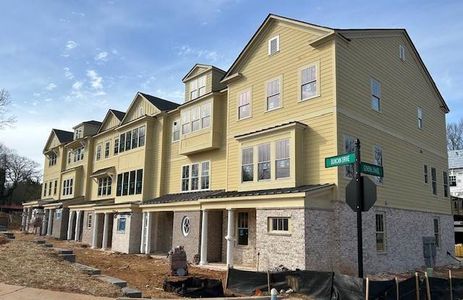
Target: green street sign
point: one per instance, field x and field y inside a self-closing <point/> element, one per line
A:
<point x="371" y="169"/>
<point x="340" y="160"/>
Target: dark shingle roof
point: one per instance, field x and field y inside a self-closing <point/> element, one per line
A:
<point x="180" y="197"/>
<point x="270" y="128"/>
<point x="456" y="159"/>
<point x="119" y="114"/>
<point x="92" y="122"/>
<point x="64" y="136"/>
<point x="162" y="104"/>
<point x="300" y="189"/>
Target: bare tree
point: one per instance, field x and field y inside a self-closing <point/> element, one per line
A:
<point x="455" y="135"/>
<point x="5" y="118"/>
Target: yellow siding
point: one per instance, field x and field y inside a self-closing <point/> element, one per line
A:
<point x="134" y="111"/>
<point x="406" y="148"/>
<point x="319" y="139"/>
<point x="110" y="123"/>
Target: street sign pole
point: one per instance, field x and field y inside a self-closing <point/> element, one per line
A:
<point x="359" y="183"/>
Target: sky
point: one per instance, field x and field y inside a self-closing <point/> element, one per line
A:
<point x="64" y="62"/>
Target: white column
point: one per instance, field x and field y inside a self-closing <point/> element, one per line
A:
<point x="77" y="230"/>
<point x="105" y="231"/>
<point x="71" y="216"/>
<point x="203" y="260"/>
<point x="229" y="238"/>
<point x="50" y="221"/>
<point x="143" y="233"/>
<point x="23" y="220"/>
<point x="148" y="233"/>
<point x="95" y="231"/>
<point x="28" y="217"/>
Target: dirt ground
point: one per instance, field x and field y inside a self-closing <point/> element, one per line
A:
<point x="27" y="264"/>
<point x="140" y="271"/>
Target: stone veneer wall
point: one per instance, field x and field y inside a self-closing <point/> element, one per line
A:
<point x="318" y="239"/>
<point x="405" y="230"/>
<point x="161" y="232"/>
<point x="281" y="249"/>
<point x="214" y="236"/>
<point x="87" y="232"/>
<point x="128" y="241"/>
<point x="60" y="226"/>
<point x="191" y="242"/>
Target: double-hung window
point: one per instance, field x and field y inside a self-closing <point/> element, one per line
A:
<point x="402" y="52"/>
<point x="243" y="228"/>
<point x="436" y="231"/>
<point x="141" y="136"/>
<point x="50" y="188"/>
<point x="446" y="183"/>
<point x="52" y="159"/>
<point x="104" y="186"/>
<point x="98" y="152"/>
<point x="244" y="105"/>
<point x="434" y="181"/>
<point x="282" y="159"/>
<point x="122" y="143"/>
<point x="273" y="94"/>
<point x="205" y="115"/>
<point x="247" y="164"/>
<point x="198" y="87"/>
<point x="420" y="117"/>
<point x="274" y="45"/>
<point x="375" y="86"/>
<point x="194" y="177"/>
<point x="205" y="175"/>
<point x="309" y="88"/>
<point x="135" y="138"/>
<point x="176" y="130"/>
<point x="380" y="232"/>
<point x="195" y="119"/>
<point x="186" y="126"/>
<point x="116" y="146"/>
<point x="128" y="140"/>
<point x="106" y="149"/>
<point x="139" y="182"/>
<point x="263" y="165"/>
<point x="130" y="183"/>
<point x="185" y="178"/>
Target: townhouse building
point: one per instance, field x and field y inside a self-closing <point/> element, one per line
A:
<point x="236" y="173"/>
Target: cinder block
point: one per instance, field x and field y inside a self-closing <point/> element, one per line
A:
<point x="131" y="292"/>
<point x="112" y="280"/>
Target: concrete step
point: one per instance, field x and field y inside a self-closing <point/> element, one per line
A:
<point x="68" y="257"/>
<point x="64" y="251"/>
<point x="131" y="292"/>
<point x="88" y="270"/>
<point x="115" y="281"/>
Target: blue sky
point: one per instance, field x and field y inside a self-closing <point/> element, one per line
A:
<point x="64" y="62"/>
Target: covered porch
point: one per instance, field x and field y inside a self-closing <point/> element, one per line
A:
<point x="32" y="216"/>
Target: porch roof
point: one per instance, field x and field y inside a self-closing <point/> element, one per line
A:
<point x="180" y="197"/>
<point x="278" y="191"/>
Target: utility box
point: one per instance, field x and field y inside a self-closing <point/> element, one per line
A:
<point x="178" y="261"/>
<point x="429" y="251"/>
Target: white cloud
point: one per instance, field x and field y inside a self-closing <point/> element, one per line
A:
<point x="71" y="45"/>
<point x="80" y="14"/>
<point x="67" y="73"/>
<point x="51" y="86"/>
<point x="210" y="56"/>
<point x="102" y="56"/>
<point x="96" y="80"/>
<point x="77" y="85"/>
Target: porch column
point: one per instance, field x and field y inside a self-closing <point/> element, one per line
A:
<point x="203" y="260"/>
<point x="71" y="216"/>
<point x="143" y="233"/>
<point x="77" y="230"/>
<point x="43" y="230"/>
<point x="148" y="233"/>
<point x="105" y="231"/>
<point x="50" y="221"/>
<point x="229" y="237"/>
<point x="23" y="220"/>
<point x="28" y="218"/>
<point x="95" y="231"/>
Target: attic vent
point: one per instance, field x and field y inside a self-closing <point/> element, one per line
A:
<point x="274" y="45"/>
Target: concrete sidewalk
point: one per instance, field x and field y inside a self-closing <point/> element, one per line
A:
<point x="15" y="292"/>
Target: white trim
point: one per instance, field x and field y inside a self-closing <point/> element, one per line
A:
<point x="315" y="64"/>
<point x="280" y="89"/>
<point x="269" y="43"/>
<point x="200" y="169"/>
<point x="238" y="104"/>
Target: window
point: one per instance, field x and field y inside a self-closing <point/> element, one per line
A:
<point x="196" y="118"/>
<point x="78" y="133"/>
<point x="378" y="160"/>
<point x="67" y="187"/>
<point x="453" y="180"/>
<point x="402" y="52"/>
<point x="78" y="154"/>
<point x="49" y="188"/>
<point x="243" y="229"/>
<point x="185" y="178"/>
<point x="380" y="233"/>
<point x="132" y="183"/>
<point x="186" y="226"/>
<point x="128" y="140"/>
<point x="205" y="175"/>
<point x="273" y="94"/>
<point x="434" y="181"/>
<point x="278" y="225"/>
<point x="52" y="159"/>
<point x="55" y="187"/>
<point x="263" y="165"/>
<point x="125" y="184"/>
<point x="205" y="115"/>
<point x="375" y="95"/>
<point x="309" y="82"/>
<point x="176" y="130"/>
<point x="119" y="185"/>
<point x="247" y="165"/>
<point x="420" y="117"/>
<point x="186" y="125"/>
<point x="98" y="152"/>
<point x="44" y="189"/>
<point x="106" y="149"/>
<point x="425" y="174"/>
<point x="122" y="143"/>
<point x="141" y="136"/>
<point x="135" y="138"/>
<point x="69" y="156"/>
<point x="282" y="159"/>
<point x="131" y="139"/>
<point x="349" y="146"/>
<point x="274" y="45"/>
<point x="436" y="231"/>
<point x="121" y="222"/>
<point x="104" y="186"/>
<point x="194" y="177"/>
<point x="139" y="182"/>
<point x="116" y="146"/>
<point x="59" y="214"/>
<point x="446" y="184"/>
<point x="89" y="220"/>
<point x="129" y="183"/>
<point x="198" y="87"/>
<point x="244" y="105"/>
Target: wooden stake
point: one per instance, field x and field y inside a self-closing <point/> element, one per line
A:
<point x="268" y="280"/>
<point x="397" y="288"/>
<point x="367" y="282"/>
<point x="226" y="278"/>
<point x="417" y="285"/>
<point x="450" y="282"/>
<point x="428" y="289"/>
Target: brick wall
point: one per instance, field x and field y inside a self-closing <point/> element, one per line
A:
<point x="191" y="242"/>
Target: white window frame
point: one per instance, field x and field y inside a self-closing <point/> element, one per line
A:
<point x="249" y="104"/>
<point x="277" y="38"/>
<point x="317" y="81"/>
<point x="200" y="176"/>
<point x="198" y="87"/>
<point x="383" y="232"/>
<point x="198" y="113"/>
<point x="107" y="149"/>
<point x="280" y="93"/>
<point x="437" y="234"/>
<point x="98" y="152"/>
<point x="280" y="225"/>
<point x="282" y="158"/>
<point x="402" y="52"/>
<point x="419" y="115"/>
<point x="89" y="220"/>
<point x="118" y="224"/>
<point x="373" y="96"/>
<point x="247" y="164"/>
<point x="176" y="128"/>
<point x="269" y="161"/>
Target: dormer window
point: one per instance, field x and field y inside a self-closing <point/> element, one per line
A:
<point x="198" y="87"/>
<point x="78" y="133"/>
<point x="52" y="159"/>
<point x="274" y="45"/>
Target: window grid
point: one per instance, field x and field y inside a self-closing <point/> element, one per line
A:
<point x="247" y="164"/>
<point x="106" y="149"/>
<point x="279" y="224"/>
<point x="273" y="94"/>
<point x="244" y="105"/>
<point x="104" y="186"/>
<point x="263" y="162"/>
<point x="130" y="183"/>
<point x="282" y="159"/>
<point x="196" y="176"/>
<point x="309" y="82"/>
<point x="380" y="233"/>
<point x="243" y="228"/>
<point x="434" y="181"/>
<point x="196" y="118"/>
<point x="132" y="139"/>
<point x="274" y="45"/>
<point x="420" y="117"/>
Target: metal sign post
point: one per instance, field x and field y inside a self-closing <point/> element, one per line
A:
<point x="359" y="184"/>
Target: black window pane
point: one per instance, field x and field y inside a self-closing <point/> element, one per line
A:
<point x="125" y="186"/>
<point x="139" y="181"/>
<point x="119" y="185"/>
<point x="132" y="183"/>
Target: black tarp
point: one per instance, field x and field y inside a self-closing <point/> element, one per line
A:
<point x="457" y="288"/>
<point x="381" y="290"/>
<point x="317" y="285"/>
<point x="246" y="282"/>
<point x="440" y="288"/>
<point x="347" y="288"/>
<point x="194" y="287"/>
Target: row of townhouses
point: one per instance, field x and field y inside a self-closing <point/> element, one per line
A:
<point x="236" y="173"/>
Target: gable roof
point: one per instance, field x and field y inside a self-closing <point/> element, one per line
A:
<point x="196" y="66"/>
<point x="118" y="114"/>
<point x="63" y="136"/>
<point x="161" y="104"/>
<point x="90" y="122"/>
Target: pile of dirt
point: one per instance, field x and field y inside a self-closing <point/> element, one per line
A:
<point x="3" y="240"/>
<point x="27" y="264"/>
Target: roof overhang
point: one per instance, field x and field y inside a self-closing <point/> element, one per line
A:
<point x="287" y="126"/>
<point x="82" y="142"/>
<point x="111" y="171"/>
